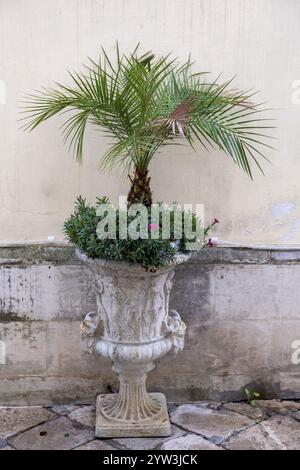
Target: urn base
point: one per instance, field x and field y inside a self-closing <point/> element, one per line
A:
<point x="155" y="426"/>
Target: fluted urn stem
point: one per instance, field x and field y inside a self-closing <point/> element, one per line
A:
<point x="132" y="403"/>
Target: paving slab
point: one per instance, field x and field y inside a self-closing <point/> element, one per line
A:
<point x="145" y="443"/>
<point x="214" y="405"/>
<point x="85" y="415"/>
<point x="64" y="410"/>
<point x="279" y="407"/>
<point x="215" y="425"/>
<point x="254" y="438"/>
<point x="96" y="444"/>
<point x="276" y="433"/>
<point x="189" y="442"/>
<point x="3" y="442"/>
<point x="57" y="434"/>
<point x="270" y="425"/>
<point x="253" y="412"/>
<point x="296" y="415"/>
<point x="285" y="430"/>
<point x="16" y="419"/>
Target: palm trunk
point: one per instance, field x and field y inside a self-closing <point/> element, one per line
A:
<point x="140" y="191"/>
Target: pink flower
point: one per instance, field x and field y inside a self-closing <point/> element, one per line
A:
<point x="212" y="225"/>
<point x="210" y="243"/>
<point x="153" y="226"/>
<point x="214" y="222"/>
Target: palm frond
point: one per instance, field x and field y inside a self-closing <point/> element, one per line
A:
<point x="143" y="103"/>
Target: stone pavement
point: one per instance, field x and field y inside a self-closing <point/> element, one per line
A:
<point x="270" y="425"/>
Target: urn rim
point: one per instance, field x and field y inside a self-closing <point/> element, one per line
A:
<point x="134" y="268"/>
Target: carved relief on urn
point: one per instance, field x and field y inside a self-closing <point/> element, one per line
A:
<point x="133" y="327"/>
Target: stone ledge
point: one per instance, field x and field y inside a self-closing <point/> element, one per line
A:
<point x="23" y="254"/>
<point x="26" y="254"/>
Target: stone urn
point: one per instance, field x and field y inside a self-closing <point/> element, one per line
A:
<point x="133" y="327"/>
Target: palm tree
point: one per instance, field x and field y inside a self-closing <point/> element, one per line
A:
<point x="144" y="103"/>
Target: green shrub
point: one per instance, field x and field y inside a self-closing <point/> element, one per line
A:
<point x="80" y="229"/>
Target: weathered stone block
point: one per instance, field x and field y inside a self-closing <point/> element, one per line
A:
<point x="290" y="384"/>
<point x="64" y="354"/>
<point x="238" y="347"/>
<point x="277" y="433"/>
<point x="64" y="410"/>
<point x="96" y="445"/>
<point x="216" y="425"/>
<point x="284" y="334"/>
<point x="253" y="412"/>
<point x="56" y="434"/>
<point x="296" y="415"/>
<point x="278" y="407"/>
<point x="85" y="416"/>
<point x="190" y="279"/>
<point x="232" y="386"/>
<point x="44" y="292"/>
<point x="136" y="443"/>
<point x="189" y="442"/>
<point x="257" y="292"/>
<point x="48" y="390"/>
<point x="179" y="387"/>
<point x="254" y="438"/>
<point x="14" y="420"/>
<point x="25" y="349"/>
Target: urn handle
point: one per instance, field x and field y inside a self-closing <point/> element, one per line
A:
<point x="90" y="330"/>
<point x="174" y="329"/>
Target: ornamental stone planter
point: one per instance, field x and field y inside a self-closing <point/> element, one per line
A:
<point x="133" y="327"/>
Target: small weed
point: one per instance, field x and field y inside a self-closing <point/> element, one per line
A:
<point x="251" y="396"/>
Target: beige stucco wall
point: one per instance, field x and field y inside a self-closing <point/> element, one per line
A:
<point x="257" y="39"/>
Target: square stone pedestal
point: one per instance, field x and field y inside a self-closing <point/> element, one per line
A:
<point x="158" y="426"/>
